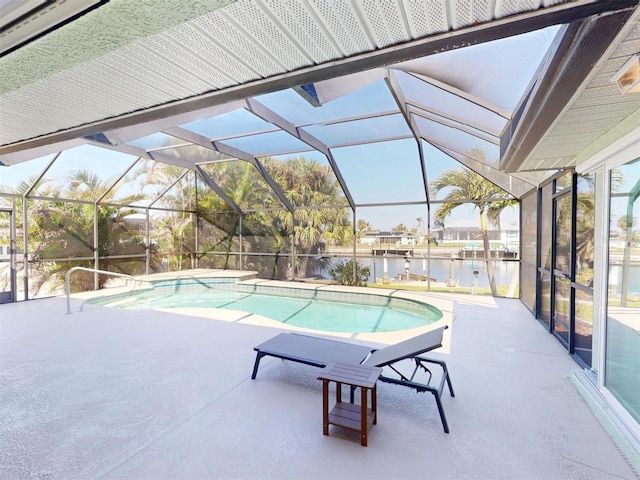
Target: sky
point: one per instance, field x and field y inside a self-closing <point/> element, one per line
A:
<point x="630" y="174"/>
<point x="374" y="173"/>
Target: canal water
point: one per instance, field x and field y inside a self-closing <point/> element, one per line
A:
<point x="441" y="269"/>
<point x="462" y="270"/>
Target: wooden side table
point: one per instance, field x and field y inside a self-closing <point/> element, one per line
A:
<point x="350" y="415"/>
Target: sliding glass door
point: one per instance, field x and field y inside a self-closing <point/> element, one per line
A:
<point x="565" y="263"/>
<point x="622" y="357"/>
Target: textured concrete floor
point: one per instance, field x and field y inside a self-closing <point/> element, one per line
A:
<point x="134" y="395"/>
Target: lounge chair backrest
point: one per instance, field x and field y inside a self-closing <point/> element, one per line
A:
<point x="407" y="348"/>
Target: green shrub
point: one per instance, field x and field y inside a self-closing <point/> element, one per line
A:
<point x="342" y="274"/>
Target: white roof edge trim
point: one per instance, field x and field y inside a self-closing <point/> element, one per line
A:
<point x="37" y="152"/>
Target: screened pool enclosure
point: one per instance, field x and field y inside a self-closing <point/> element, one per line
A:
<point x="291" y="182"/>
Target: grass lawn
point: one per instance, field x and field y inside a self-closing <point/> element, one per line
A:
<point x="502" y="289"/>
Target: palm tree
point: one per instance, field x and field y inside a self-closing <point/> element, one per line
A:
<point x="363" y="227"/>
<point x="65" y="229"/>
<point x="244" y="185"/>
<point x="466" y="186"/>
<point x="174" y="223"/>
<point x="311" y="185"/>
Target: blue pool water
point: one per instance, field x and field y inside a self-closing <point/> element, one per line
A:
<point x="370" y="313"/>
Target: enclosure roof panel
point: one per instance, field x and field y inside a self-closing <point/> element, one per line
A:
<point x="265" y="77"/>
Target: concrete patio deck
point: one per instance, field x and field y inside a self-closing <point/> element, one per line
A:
<point x="111" y="394"/>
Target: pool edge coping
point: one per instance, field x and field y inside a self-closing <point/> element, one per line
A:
<point x="445" y="305"/>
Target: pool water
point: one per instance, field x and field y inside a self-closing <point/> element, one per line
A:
<point x="333" y="316"/>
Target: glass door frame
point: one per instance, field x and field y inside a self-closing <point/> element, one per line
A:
<point x="551" y="272"/>
<point x="556" y="274"/>
<point x="10" y="295"/>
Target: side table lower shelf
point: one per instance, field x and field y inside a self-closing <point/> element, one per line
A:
<point x="348" y="415"/>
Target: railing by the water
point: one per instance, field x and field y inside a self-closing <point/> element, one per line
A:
<point x="92" y="270"/>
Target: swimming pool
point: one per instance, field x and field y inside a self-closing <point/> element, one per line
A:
<point x="316" y="309"/>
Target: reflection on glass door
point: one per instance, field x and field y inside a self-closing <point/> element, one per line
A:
<point x="562" y="250"/>
<point x="7" y="257"/>
<point x="546" y="228"/>
<point x="584" y="258"/>
<point x="622" y="358"/>
<point x="545" y="298"/>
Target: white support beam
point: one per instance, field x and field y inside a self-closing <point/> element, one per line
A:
<point x="464" y="95"/>
<point x="447" y="123"/>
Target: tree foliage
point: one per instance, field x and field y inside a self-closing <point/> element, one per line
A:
<point x="466" y="186"/>
<point x="61" y="231"/>
<point x="342" y="274"/>
<point x="267" y="225"/>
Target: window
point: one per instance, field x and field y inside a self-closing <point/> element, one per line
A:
<point x="622" y="358"/>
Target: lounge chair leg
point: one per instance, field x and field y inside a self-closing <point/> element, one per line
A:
<point x="443" y="418"/>
<point x="256" y="365"/>
<point x="446" y="374"/>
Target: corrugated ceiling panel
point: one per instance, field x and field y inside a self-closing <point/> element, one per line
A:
<point x="304" y="27"/>
<point x="85" y="105"/>
<point x="607" y="91"/>
<point x="374" y="17"/>
<point x="125" y="67"/>
<point x="202" y="45"/>
<point x="96" y="77"/>
<point x="105" y="68"/>
<point x="601" y="80"/>
<point x="17" y="105"/>
<point x="612" y="100"/>
<point x="37" y="116"/>
<point x="612" y="65"/>
<point x="577" y="118"/>
<point x="264" y="31"/>
<point x="535" y="178"/>
<point x="504" y="8"/>
<point x="341" y="20"/>
<point x="567" y="144"/>
<point x="553" y="163"/>
<point x="394" y="20"/>
<point x="47" y="102"/>
<point x="426" y="17"/>
<point x="558" y="147"/>
<point x="635" y="31"/>
<point x="608" y="111"/>
<point x="592" y="125"/>
<point x="144" y="62"/>
<point x="164" y="46"/>
<point x="234" y="41"/>
<point x="249" y="40"/>
<point x="626" y="48"/>
<point x="12" y="121"/>
<point x="468" y="12"/>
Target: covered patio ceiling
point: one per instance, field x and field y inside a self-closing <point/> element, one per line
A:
<point x="504" y="86"/>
